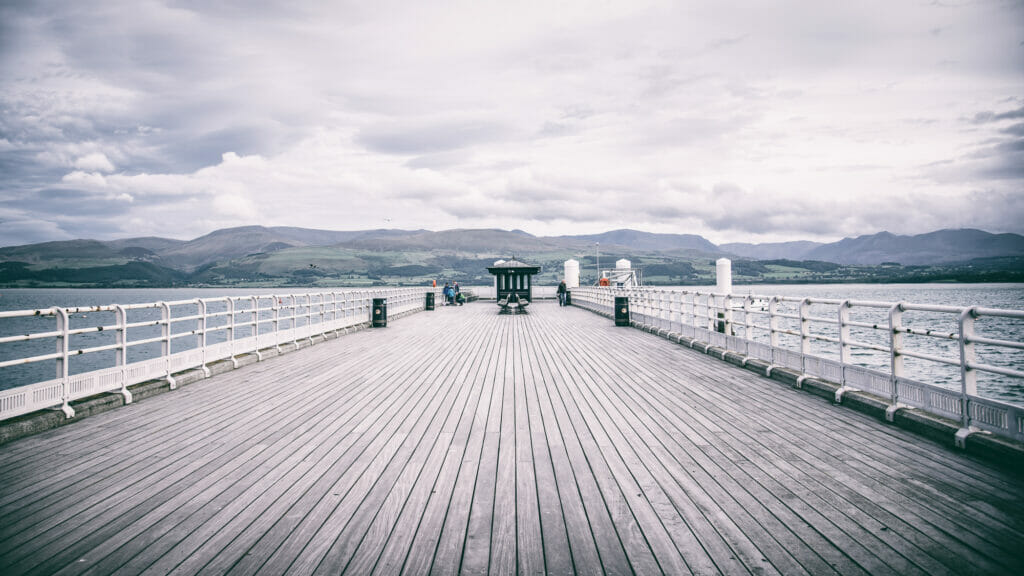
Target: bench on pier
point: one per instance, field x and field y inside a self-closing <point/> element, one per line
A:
<point x="511" y="300"/>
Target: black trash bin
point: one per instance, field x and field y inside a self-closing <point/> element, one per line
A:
<point x="430" y="300"/>
<point x="380" y="312"/>
<point x="568" y="298"/>
<point x="622" y="311"/>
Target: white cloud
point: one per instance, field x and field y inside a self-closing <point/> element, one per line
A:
<point x="95" y="162"/>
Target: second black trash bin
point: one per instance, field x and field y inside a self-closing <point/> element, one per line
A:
<point x="622" y="311"/>
<point x="380" y="312"/>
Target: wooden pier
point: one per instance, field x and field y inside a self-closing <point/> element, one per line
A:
<point x="461" y="441"/>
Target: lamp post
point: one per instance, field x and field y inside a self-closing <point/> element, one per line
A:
<point x="597" y="247"/>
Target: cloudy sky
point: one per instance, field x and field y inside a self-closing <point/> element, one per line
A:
<point x="739" y="121"/>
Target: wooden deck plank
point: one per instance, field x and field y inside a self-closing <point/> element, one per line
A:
<point x="839" y="485"/>
<point x="598" y="452"/>
<point x="740" y="545"/>
<point x="554" y="537"/>
<point x="329" y="428"/>
<point x="237" y="533"/>
<point x="96" y="468"/>
<point x="577" y="483"/>
<point x="359" y="470"/>
<point x="448" y="552"/>
<point x="424" y="511"/>
<point x="190" y="528"/>
<point x="502" y="555"/>
<point x="369" y="527"/>
<point x="553" y="442"/>
<point x="717" y="454"/>
<point x="473" y="537"/>
<point x="529" y="539"/>
<point x="826" y="489"/>
<point x="777" y="468"/>
<point x="726" y="460"/>
<point x="586" y="557"/>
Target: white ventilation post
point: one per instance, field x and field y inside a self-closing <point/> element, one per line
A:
<point x="572" y="274"/>
<point x="723" y="276"/>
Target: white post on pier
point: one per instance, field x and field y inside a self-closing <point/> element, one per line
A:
<point x="723" y="276"/>
<point x="572" y="273"/>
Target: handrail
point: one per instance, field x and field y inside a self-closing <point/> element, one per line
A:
<point x="799" y="333"/>
<point x="189" y="334"/>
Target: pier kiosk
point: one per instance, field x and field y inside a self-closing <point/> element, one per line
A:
<point x="513" y="284"/>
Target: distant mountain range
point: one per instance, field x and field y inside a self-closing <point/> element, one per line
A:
<point x="943" y="246"/>
<point x="301" y="253"/>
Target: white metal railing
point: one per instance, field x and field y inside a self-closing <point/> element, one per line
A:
<point x="861" y="345"/>
<point x="134" y="343"/>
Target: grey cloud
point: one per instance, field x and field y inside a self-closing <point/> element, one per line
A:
<point x="439" y="160"/>
<point x="78" y="204"/>
<point x="1014" y="130"/>
<point x="17" y="231"/>
<point x="556" y="130"/>
<point x="988" y="116"/>
<point x="430" y="136"/>
<point x="691" y="130"/>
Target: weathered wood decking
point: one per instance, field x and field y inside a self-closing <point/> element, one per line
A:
<point x="462" y="441"/>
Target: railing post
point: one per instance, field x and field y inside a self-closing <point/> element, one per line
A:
<point x="968" y="378"/>
<point x="727" y="314"/>
<point x="165" y="344"/>
<point x="122" y="350"/>
<point x="895" y="359"/>
<point x="309" y="318"/>
<point x="844" y="335"/>
<point x="712" y="311"/>
<point x="201" y="329"/>
<point x="666" y="309"/>
<point x="805" y="326"/>
<point x="231" y="330"/>
<point x="334" y="312"/>
<point x="748" y="328"/>
<point x="275" y="305"/>
<point x="63" y="327"/>
<point x="256" y="326"/>
<point x="844" y="348"/>
<point x="293" y="314"/>
<point x="323" y="313"/>
<point x="675" y="307"/>
<point x="773" y="321"/>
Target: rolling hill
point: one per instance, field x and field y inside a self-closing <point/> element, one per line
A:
<point x="772" y="250"/>
<point x="298" y="256"/>
<point x="939" y="247"/>
<point x="645" y="241"/>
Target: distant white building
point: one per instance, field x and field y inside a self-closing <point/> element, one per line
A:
<point x="623" y="275"/>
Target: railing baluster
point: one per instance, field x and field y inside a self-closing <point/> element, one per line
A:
<point x="968" y="377"/>
<point x="895" y="358"/>
<point x="121" y="316"/>
<point x="165" y="342"/>
<point x="63" y="328"/>
<point x="256" y="326"/>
